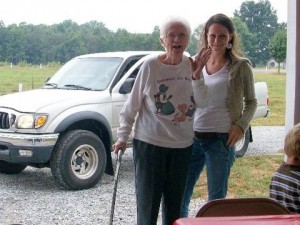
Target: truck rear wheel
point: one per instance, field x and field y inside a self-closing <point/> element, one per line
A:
<point x="79" y="160"/>
<point x="242" y="145"/>
<point x="11" y="168"/>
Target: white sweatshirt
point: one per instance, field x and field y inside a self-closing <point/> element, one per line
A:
<point x="161" y="105"/>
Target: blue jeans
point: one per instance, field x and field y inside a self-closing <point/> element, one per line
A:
<point x="218" y="159"/>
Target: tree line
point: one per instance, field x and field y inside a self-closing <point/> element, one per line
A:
<point x="261" y="38"/>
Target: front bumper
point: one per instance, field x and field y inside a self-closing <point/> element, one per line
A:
<point x="26" y="148"/>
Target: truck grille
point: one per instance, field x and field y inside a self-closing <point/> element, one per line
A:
<point x="4" y="120"/>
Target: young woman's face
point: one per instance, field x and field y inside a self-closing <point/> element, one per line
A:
<point x="176" y="39"/>
<point x="218" y="37"/>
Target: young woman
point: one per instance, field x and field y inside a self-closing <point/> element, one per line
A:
<point x="231" y="105"/>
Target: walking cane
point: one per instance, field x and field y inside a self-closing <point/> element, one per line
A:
<point x="119" y="159"/>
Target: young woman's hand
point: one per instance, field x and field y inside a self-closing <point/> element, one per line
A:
<point x="199" y="61"/>
<point x="235" y="134"/>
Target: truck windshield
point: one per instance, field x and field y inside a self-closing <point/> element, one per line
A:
<point x="93" y="73"/>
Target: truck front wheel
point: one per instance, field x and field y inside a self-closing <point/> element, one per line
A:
<point x="79" y="160"/>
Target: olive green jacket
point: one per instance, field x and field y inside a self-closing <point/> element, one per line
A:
<point x="242" y="102"/>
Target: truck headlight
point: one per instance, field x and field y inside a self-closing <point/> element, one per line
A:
<point x="29" y="121"/>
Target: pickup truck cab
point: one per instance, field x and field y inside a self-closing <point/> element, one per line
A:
<point x="70" y="124"/>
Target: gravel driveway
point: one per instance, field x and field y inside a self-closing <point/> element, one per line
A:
<point x="32" y="197"/>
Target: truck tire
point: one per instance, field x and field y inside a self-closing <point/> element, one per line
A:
<point x="11" y="168"/>
<point x="242" y="145"/>
<point x="79" y="160"/>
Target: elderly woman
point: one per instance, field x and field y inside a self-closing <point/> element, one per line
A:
<point x="161" y="106"/>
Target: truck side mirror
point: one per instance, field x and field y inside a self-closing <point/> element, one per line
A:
<point x="127" y="86"/>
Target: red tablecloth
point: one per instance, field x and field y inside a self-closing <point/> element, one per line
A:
<point x="293" y="219"/>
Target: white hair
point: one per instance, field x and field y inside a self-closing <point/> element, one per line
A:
<point x="171" y="20"/>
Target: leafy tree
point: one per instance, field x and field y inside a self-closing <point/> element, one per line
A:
<point x="152" y="41"/>
<point x="3" y="37"/>
<point x="282" y="26"/>
<point x="37" y="44"/>
<point x="194" y="45"/>
<point x="122" y="40"/>
<point x="71" y="47"/>
<point x="16" y="43"/>
<point x="96" y="37"/>
<point x="261" y="20"/>
<point x="246" y="39"/>
<point x="255" y="23"/>
<point x="278" y="47"/>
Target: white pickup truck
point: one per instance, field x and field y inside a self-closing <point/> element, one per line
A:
<point x="70" y="124"/>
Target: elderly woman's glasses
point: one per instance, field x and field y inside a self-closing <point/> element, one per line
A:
<point x="173" y="36"/>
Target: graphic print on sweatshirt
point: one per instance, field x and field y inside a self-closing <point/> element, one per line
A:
<point x="164" y="105"/>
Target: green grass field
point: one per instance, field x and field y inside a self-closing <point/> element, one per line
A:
<point x="276" y="90"/>
<point x="29" y="77"/>
<point x="250" y="177"/>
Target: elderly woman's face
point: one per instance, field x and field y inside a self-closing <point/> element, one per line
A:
<point x="176" y="39"/>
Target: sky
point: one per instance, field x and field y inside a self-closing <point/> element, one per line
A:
<point x="136" y="16"/>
